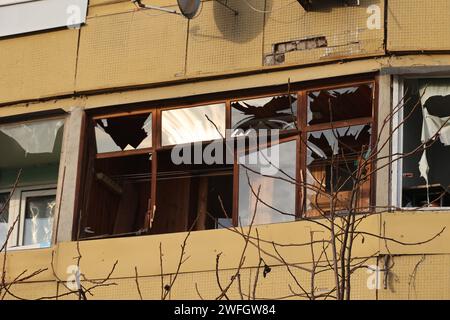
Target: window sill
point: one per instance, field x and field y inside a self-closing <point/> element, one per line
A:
<point x="30" y="247"/>
<point x="419" y="209"/>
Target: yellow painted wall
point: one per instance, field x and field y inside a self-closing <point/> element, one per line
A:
<point x="98" y="257"/>
<point x="416" y="25"/>
<point x="207" y="85"/>
<point x="417" y="277"/>
<point x="130" y="49"/>
<point x="38" y="66"/>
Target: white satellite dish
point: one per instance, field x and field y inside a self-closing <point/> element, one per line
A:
<point x="189" y="8"/>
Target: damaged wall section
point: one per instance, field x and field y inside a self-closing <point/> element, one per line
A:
<point x="280" y="49"/>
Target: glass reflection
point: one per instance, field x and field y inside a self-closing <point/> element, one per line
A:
<point x="277" y="197"/>
<point x="279" y="112"/>
<point x="124" y="133"/>
<point x="191" y="124"/>
<point x="333" y="158"/>
<point x="344" y="103"/>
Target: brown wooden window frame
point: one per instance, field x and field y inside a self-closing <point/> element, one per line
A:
<point x="306" y="128"/>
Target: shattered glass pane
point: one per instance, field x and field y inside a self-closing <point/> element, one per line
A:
<point x="34" y="147"/>
<point x="425" y="176"/>
<point x="278" y="112"/>
<point x="4" y="215"/>
<point x="124" y="133"/>
<point x="39" y="213"/>
<point x="277" y="197"/>
<point x="193" y="124"/>
<point x="333" y="158"/>
<point x="344" y="103"/>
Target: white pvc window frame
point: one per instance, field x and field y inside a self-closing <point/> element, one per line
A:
<point x="398" y="92"/>
<point x="25" y="16"/>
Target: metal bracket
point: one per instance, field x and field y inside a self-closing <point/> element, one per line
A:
<point x="140" y="5"/>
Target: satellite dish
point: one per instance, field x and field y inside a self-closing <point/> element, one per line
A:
<point x="189" y="8"/>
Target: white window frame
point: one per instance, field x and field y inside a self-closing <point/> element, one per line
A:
<point x="17" y="206"/>
<point x="397" y="144"/>
<point x="26" y="16"/>
<point x="23" y="204"/>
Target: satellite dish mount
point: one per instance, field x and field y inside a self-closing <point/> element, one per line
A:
<point x="188" y="8"/>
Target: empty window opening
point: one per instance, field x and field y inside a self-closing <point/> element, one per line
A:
<point x="192" y="196"/>
<point x="118" y="196"/>
<point x="185" y="177"/>
<point x="278" y="112"/>
<point x="118" y="190"/>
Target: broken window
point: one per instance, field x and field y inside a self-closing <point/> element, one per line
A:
<point x="340" y="104"/>
<point x="118" y="195"/>
<point x="273" y="170"/>
<point x="186" y="125"/>
<point x="32" y="148"/>
<point x="177" y="169"/>
<point x="277" y="112"/>
<point x="337" y="169"/>
<point x="126" y="193"/>
<point x="339" y="128"/>
<point x="426" y="140"/>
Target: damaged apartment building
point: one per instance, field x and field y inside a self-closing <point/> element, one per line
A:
<point x="98" y="97"/>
